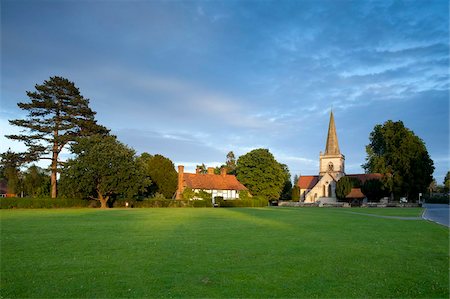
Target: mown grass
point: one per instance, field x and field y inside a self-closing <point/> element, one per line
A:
<point x="239" y="252"/>
<point x="400" y="212"/>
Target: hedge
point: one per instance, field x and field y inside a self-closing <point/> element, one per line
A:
<point x="44" y="203"/>
<point x="49" y="203"/>
<point x="251" y="202"/>
<point x="436" y="198"/>
<point x="161" y="203"/>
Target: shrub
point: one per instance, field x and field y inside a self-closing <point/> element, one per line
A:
<point x="436" y="198"/>
<point x="252" y="202"/>
<point x="44" y="203"/>
<point x="151" y="203"/>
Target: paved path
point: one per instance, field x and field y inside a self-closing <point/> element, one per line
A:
<point x="437" y="213"/>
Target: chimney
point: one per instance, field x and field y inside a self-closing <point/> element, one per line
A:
<point x="180" y="181"/>
<point x="210" y="170"/>
<point x="223" y="171"/>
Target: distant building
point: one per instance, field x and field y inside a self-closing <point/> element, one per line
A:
<point x="4" y="190"/>
<point x="218" y="185"/>
<point x="322" y="187"/>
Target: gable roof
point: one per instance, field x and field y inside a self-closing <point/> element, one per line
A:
<point x="212" y="181"/>
<point x="355" y="193"/>
<point x="307" y="181"/>
<point x="366" y="176"/>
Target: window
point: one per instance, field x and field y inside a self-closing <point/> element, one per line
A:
<point x="330" y="166"/>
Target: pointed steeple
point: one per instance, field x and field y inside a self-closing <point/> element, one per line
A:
<point x="332" y="147"/>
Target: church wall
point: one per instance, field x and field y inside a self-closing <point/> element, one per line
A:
<point x="322" y="189"/>
<point x="337" y="161"/>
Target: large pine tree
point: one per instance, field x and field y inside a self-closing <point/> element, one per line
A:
<point x="57" y="115"/>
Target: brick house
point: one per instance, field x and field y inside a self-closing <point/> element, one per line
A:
<point x="223" y="184"/>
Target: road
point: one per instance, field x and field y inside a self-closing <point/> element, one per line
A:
<point x="438" y="213"/>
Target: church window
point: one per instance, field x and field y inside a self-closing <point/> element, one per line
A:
<point x="330" y="166"/>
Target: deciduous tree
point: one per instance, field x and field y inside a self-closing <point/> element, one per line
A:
<point x="261" y="173"/>
<point x="162" y="174"/>
<point x="57" y="115"/>
<point x="447" y="182"/>
<point x="102" y="168"/>
<point x="36" y="182"/>
<point x="374" y="190"/>
<point x="10" y="171"/>
<point x="402" y="156"/>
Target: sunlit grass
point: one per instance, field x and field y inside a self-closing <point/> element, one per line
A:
<point x="400" y="212"/>
<point x="266" y="252"/>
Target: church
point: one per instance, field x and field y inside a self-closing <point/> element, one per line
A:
<point x="322" y="188"/>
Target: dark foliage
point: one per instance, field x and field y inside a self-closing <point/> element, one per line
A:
<point x="402" y="156"/>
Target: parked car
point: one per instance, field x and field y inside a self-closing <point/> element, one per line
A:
<point x="403" y="199"/>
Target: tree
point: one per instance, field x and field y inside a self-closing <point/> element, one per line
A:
<point x="295" y="193"/>
<point x="57" y="115"/>
<point x="373" y="190"/>
<point x="261" y="173"/>
<point x="447" y="182"/>
<point x="433" y="187"/>
<point x="161" y="171"/>
<point x="343" y="187"/>
<point x="36" y="182"/>
<point x="231" y="163"/>
<point x="402" y="156"/>
<point x="295" y="180"/>
<point x="202" y="168"/>
<point x="102" y="168"/>
<point x="10" y="171"/>
<point x="286" y="192"/>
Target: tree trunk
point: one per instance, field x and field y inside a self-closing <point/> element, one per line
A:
<point x="103" y="200"/>
<point x="54" y="167"/>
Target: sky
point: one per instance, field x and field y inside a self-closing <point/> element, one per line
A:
<point x="193" y="80"/>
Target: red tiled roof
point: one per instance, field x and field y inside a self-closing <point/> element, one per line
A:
<point x="307" y="181"/>
<point x="212" y="182"/>
<point x="366" y="176"/>
<point x="355" y="193"/>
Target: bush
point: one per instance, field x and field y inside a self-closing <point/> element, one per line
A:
<point x="151" y="203"/>
<point x="44" y="203"/>
<point x="436" y="198"/>
<point x="252" y="202"/>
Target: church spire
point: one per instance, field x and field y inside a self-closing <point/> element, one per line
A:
<point x="332" y="147"/>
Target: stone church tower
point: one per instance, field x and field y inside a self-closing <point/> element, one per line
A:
<point x="332" y="161"/>
<point x="322" y="188"/>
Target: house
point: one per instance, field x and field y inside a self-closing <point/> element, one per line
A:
<point x="218" y="185"/>
<point x="322" y="187"/>
<point x="4" y="190"/>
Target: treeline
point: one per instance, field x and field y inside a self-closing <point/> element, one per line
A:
<point x="102" y="168"/>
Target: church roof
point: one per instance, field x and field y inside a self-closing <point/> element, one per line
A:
<point x="366" y="176"/>
<point x="212" y="181"/>
<point x="355" y="193"/>
<point x="307" y="181"/>
<point x="332" y="147"/>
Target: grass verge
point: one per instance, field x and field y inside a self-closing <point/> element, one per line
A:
<point x="240" y="252"/>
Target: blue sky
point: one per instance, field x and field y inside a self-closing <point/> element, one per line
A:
<point x="193" y="80"/>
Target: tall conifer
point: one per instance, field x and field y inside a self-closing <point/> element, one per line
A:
<point x="57" y="115"/>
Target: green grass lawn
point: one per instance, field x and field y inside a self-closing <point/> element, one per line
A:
<point x="235" y="252"/>
<point x="401" y="212"/>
